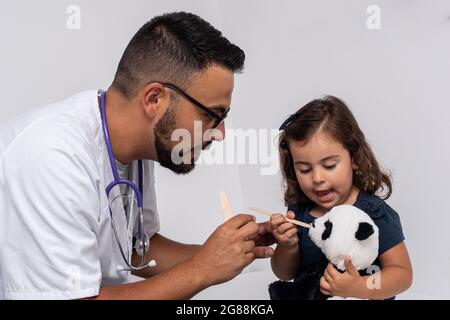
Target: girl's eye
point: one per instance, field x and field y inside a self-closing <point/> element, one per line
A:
<point x="305" y="170"/>
<point x="330" y="167"/>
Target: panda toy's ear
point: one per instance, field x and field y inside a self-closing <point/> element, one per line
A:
<point x="365" y="230"/>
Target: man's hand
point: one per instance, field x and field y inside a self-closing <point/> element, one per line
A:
<point x="227" y="251"/>
<point x="263" y="240"/>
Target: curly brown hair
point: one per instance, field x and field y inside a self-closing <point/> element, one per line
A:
<point x="333" y="117"/>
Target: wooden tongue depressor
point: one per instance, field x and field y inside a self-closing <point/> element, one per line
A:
<point x="225" y="205"/>
<point x="269" y="213"/>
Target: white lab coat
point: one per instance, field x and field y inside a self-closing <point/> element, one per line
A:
<point x="56" y="240"/>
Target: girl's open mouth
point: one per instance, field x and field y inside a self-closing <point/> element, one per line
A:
<point x="325" y="195"/>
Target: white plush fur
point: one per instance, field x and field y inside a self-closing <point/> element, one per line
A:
<point x="342" y="242"/>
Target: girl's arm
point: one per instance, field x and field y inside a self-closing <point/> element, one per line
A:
<point x="285" y="261"/>
<point x="286" y="256"/>
<point x="395" y="276"/>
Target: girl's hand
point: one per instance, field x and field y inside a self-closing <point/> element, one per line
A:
<point x="285" y="233"/>
<point x="347" y="284"/>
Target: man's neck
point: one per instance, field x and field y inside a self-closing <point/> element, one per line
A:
<point x="122" y="127"/>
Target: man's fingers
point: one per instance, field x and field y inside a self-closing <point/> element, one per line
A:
<point x="253" y="237"/>
<point x="263" y="252"/>
<point x="248" y="230"/>
<point x="240" y="220"/>
<point x="246" y="259"/>
<point x="249" y="246"/>
<point x="249" y="257"/>
<point x="263" y="239"/>
<point x="264" y="227"/>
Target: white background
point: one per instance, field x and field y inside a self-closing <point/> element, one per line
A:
<point x="396" y="81"/>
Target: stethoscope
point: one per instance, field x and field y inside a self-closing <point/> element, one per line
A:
<point x="143" y="242"/>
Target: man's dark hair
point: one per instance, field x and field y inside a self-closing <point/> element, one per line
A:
<point x="172" y="48"/>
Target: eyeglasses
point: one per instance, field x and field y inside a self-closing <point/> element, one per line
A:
<point x="218" y="119"/>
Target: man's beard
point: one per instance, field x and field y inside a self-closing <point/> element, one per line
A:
<point x="163" y="144"/>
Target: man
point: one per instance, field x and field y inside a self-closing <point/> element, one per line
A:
<point x="60" y="231"/>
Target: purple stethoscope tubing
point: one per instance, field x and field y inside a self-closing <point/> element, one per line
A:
<point x="142" y="238"/>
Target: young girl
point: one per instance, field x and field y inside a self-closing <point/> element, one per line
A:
<point x="326" y="161"/>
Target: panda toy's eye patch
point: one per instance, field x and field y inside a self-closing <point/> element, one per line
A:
<point x="365" y="230"/>
<point x="328" y="228"/>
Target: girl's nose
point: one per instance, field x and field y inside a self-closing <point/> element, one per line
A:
<point x="317" y="176"/>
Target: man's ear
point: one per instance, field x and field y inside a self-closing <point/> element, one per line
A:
<point x="154" y="100"/>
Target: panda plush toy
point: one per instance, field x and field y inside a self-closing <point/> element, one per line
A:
<point x="343" y="231"/>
